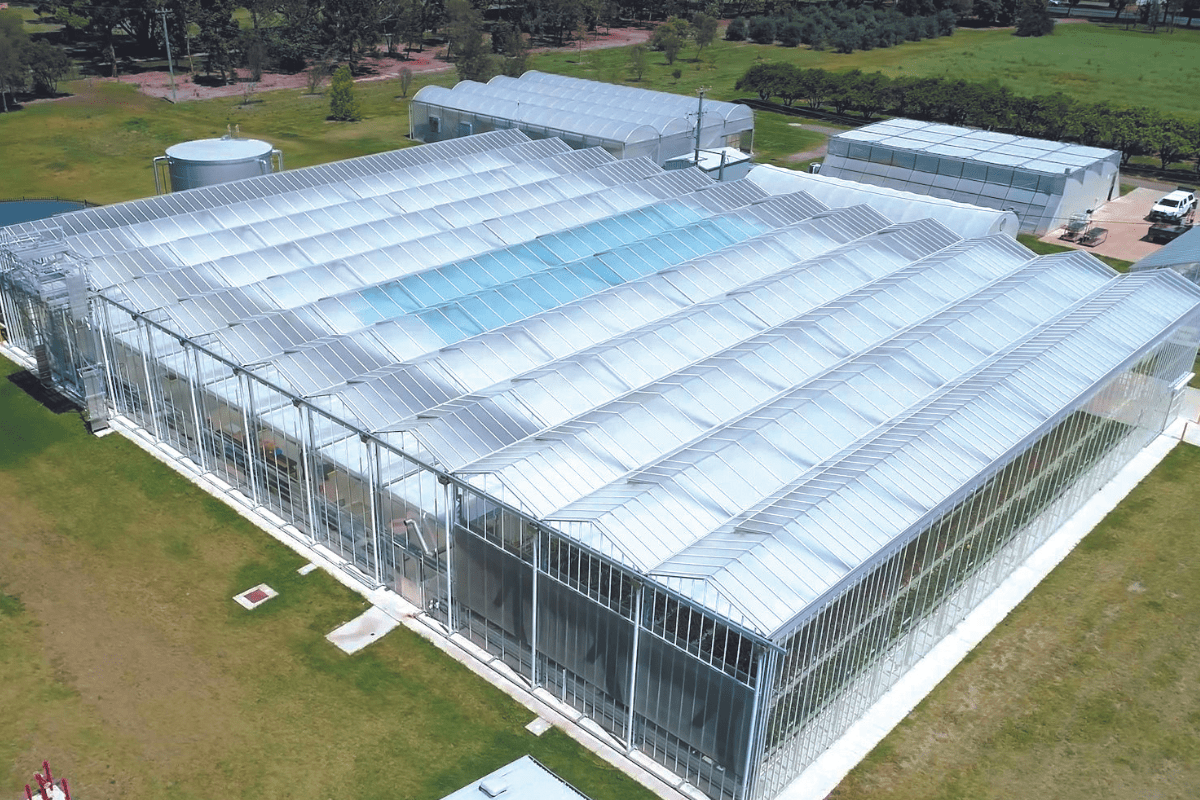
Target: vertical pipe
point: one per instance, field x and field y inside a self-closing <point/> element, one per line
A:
<point x="633" y="663"/>
<point x="533" y="636"/>
<point x="156" y="165"/>
<point x="754" y="738"/>
<point x="699" y="123"/>
<point x="445" y="481"/>
<point x="162" y="12"/>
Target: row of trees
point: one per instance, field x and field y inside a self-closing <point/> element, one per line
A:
<point x="1132" y="131"/>
<point x="27" y="64"/>
<point x="842" y="28"/>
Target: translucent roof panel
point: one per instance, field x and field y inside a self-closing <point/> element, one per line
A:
<point x="742" y="392"/>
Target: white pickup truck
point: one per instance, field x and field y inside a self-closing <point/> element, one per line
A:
<point x="1174" y="207"/>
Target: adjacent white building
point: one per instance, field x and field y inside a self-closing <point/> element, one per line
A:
<point x="1042" y="182"/>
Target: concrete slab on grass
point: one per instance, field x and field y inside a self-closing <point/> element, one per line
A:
<point x="370" y="626"/>
<point x="255" y="596"/>
<point x="539" y="726"/>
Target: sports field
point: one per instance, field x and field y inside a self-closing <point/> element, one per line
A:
<point x="124" y="661"/>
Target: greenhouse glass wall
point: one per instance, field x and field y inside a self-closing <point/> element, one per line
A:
<point x="1044" y="183"/>
<point x="627" y="122"/>
<point x="713" y="466"/>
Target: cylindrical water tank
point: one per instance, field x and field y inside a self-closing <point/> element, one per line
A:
<point x="205" y="162"/>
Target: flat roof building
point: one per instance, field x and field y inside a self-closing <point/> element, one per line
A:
<point x="712" y="463"/>
<point x="523" y="779"/>
<point x="1042" y="182"/>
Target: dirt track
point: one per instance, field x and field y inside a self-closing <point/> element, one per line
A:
<point x="158" y="84"/>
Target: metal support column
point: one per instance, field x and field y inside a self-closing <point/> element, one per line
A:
<point x="194" y="384"/>
<point x="307" y="473"/>
<point x="376" y="467"/>
<point x="247" y="444"/>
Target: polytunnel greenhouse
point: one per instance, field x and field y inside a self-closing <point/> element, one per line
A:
<point x="1043" y="182"/>
<point x="712" y="466"/>
<point x="625" y="121"/>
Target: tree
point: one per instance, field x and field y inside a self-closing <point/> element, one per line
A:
<point x="408" y="23"/>
<point x="738" y="30"/>
<point x="48" y="65"/>
<point x="406" y="78"/>
<point x="639" y="60"/>
<point x="872" y="93"/>
<point x="1130" y="132"/>
<point x="1033" y="19"/>
<point x="218" y="31"/>
<point x="704" y="30"/>
<point x="509" y="43"/>
<point x="762" y="30"/>
<point x="351" y="27"/>
<point x="13" y="40"/>
<point x="791" y="34"/>
<point x="1170" y="138"/>
<point x="135" y="17"/>
<point x="768" y="79"/>
<point x="670" y="37"/>
<point x="465" y="28"/>
<point x="343" y="105"/>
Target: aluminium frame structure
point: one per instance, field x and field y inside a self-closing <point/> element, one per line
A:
<point x="829" y="436"/>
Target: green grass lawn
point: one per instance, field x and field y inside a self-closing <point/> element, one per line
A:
<point x="1045" y="248"/>
<point x="1090" y="62"/>
<point x="1088" y="689"/>
<point x="126" y="664"/>
<point x="98" y="144"/>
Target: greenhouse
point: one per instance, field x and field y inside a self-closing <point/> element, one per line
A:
<point x="627" y="122"/>
<point x="709" y="464"/>
<point x="1042" y="182"/>
<point x="1181" y="255"/>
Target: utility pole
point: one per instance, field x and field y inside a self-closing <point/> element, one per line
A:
<point x="162" y="12"/>
<point x="699" y="122"/>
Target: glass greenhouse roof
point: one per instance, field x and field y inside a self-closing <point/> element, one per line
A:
<point x="742" y="393"/>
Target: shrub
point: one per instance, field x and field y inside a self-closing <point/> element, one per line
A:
<point x="738" y="30"/>
<point x="791" y="34"/>
<point x="343" y="105"/>
<point x="762" y="30"/>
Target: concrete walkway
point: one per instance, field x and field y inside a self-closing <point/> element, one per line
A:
<point x="1125" y="220"/>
